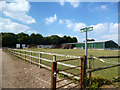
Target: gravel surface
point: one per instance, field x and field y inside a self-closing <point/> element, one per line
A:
<point x="17" y="73"/>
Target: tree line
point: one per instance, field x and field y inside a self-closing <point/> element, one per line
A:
<point x="11" y="39"/>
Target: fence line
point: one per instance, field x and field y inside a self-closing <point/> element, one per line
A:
<point x="107" y="61"/>
<point x="69" y="65"/>
<point x="108" y="57"/>
<point x="33" y="62"/>
<point x="29" y="58"/>
<point x="71" y="56"/>
<point x="100" y="68"/>
<point x="68" y="74"/>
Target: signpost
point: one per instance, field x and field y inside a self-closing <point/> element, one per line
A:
<point x="85" y="30"/>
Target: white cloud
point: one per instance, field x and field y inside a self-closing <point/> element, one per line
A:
<point x="60" y="35"/>
<point x="100" y="28"/>
<point x="69" y="23"/>
<point x="61" y="2"/>
<point x="74" y="3"/>
<point x="97" y="8"/>
<point x="103" y="7"/>
<point x="78" y="26"/>
<point x="51" y="19"/>
<point x="110" y="37"/>
<point x="106" y="31"/>
<point x="2" y="4"/>
<point x="31" y="31"/>
<point x="113" y="28"/>
<point x="101" y="31"/>
<point x="60" y="21"/>
<point x="8" y="26"/>
<point x="17" y="10"/>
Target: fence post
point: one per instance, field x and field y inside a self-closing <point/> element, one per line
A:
<point x="90" y="67"/>
<point x="25" y="55"/>
<point x="20" y="54"/>
<point x="83" y="77"/>
<point x="13" y="52"/>
<point x="40" y="55"/>
<point x="53" y="73"/>
<point x="31" y="57"/>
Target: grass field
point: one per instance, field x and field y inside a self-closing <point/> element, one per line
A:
<point x="107" y="73"/>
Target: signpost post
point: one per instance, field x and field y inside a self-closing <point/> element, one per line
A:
<point x="85" y="30"/>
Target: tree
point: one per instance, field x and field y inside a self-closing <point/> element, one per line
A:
<point x="39" y="39"/>
<point x="11" y="39"/>
<point x="32" y="38"/>
<point x="68" y="39"/>
<point x="55" y="39"/>
<point x="47" y="41"/>
<point x="36" y="39"/>
<point x="8" y="40"/>
<point x="90" y="40"/>
<point x="23" y="38"/>
<point x="74" y="40"/>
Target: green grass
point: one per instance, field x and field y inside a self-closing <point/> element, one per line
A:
<point x="107" y="73"/>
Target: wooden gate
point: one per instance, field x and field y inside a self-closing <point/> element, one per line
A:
<point x="82" y="73"/>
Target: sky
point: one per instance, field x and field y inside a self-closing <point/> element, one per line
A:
<point x="61" y="18"/>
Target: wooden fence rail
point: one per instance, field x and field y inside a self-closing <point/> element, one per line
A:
<point x="100" y="68"/>
<point x="108" y="57"/>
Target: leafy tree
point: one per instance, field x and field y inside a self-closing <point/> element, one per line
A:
<point x="36" y="39"/>
<point x="90" y="40"/>
<point x="11" y="39"/>
<point x="39" y="39"/>
<point x="68" y="39"/>
<point x="8" y="40"/>
<point x="23" y="38"/>
<point x="74" y="40"/>
<point x="55" y="39"/>
<point x="47" y="41"/>
<point x="32" y="38"/>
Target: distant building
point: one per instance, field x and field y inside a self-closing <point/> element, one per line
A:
<point x="32" y="46"/>
<point x="45" y="46"/>
<point x="20" y="46"/>
<point x="107" y="44"/>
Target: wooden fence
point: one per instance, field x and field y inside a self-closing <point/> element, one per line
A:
<point x="90" y="70"/>
<point x="55" y="71"/>
<point x="23" y="54"/>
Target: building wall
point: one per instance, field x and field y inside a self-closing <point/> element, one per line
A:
<point x="99" y="45"/>
<point x="96" y="45"/>
<point x="111" y="45"/>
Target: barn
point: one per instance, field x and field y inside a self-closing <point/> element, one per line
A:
<point x="107" y="44"/>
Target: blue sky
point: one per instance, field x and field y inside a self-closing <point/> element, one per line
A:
<point x="61" y="18"/>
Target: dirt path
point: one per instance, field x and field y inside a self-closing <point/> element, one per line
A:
<point x="19" y="74"/>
